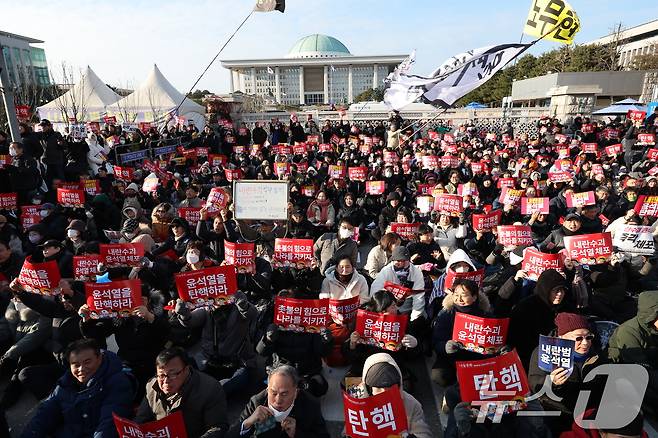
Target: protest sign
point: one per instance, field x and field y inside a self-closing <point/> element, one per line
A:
<point x="381" y="330"/>
<point x="325" y="147"/>
<point x="647" y="205"/>
<point x="515" y="235"/>
<point x="399" y="292"/>
<point x="390" y="157"/>
<point x="425" y="189"/>
<point x="240" y="255"/>
<point x="301" y="315"/>
<point x="535" y="262"/>
<point x="531" y="205"/>
<point x="171" y="426"/>
<point x="216" y="160"/>
<point x="121" y="254"/>
<point x="498" y="378"/>
<point x="343" y="312"/>
<point x="509" y="196"/>
<point x="337" y="171"/>
<point x="467" y="189"/>
<point x="646" y="139"/>
<point x="30" y="215"/>
<point x="295" y="253"/>
<point x="635" y="115"/>
<point x="232" y="174"/>
<point x="590" y="148"/>
<point x="634" y="239"/>
<point x="589" y="249"/>
<point x="559" y="176"/>
<point x="5" y="161"/>
<point x="150" y="185"/>
<point x="506" y="182"/>
<point x="478" y="334"/>
<point x="299" y="149"/>
<point x="652" y="154"/>
<point x="614" y="149"/>
<point x="314" y="139"/>
<point x="71" y="197"/>
<point x="357" y="173"/>
<point x="267" y="200"/>
<point x="42" y="278"/>
<point x="430" y="161"/>
<point x="487" y="221"/>
<point x="123" y="173"/>
<point x="555" y="353"/>
<point x="191" y="214"/>
<point x="213" y="286"/>
<point x="404" y="230"/>
<point x="575" y="200"/>
<point x="308" y="191"/>
<point x="85" y="267"/>
<point x="281" y="169"/>
<point x="114" y="299"/>
<point x="379" y="416"/>
<point x="8" y="201"/>
<point x="217" y="199"/>
<point x="375" y="187"/>
<point x="424" y="204"/>
<point x="451" y="204"/>
<point x="479" y="167"/>
<point x="477" y="276"/>
<point x="91" y="187"/>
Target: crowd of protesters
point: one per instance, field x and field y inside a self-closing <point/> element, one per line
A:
<point x="172" y="357"/>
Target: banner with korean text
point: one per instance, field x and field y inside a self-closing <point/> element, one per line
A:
<point x="301" y="315"/>
<point x="214" y="286"/>
<point x="295" y="253"/>
<point x="589" y="249"/>
<point x="381" y="330"/>
<point x="482" y="335"/>
<point x="115" y="299"/>
<point x="42" y="278"/>
<point x="379" y="416"/>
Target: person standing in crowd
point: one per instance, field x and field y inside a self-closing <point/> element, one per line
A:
<point x="54" y="152"/>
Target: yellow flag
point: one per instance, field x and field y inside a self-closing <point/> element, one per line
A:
<point x="553" y="17"/>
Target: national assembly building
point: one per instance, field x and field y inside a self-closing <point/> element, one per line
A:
<point x="319" y="69"/>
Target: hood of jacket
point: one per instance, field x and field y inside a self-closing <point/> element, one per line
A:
<point x="547" y="281"/>
<point x="459" y="255"/>
<point x="380" y="358"/>
<point x="482" y="303"/>
<point x="647" y="309"/>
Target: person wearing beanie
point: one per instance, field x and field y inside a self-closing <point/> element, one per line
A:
<point x="555" y="241"/>
<point x="76" y="239"/>
<point x="176" y="245"/>
<point x="387" y="215"/>
<point x="380" y="372"/>
<point x="567" y="384"/>
<point x="535" y="314"/>
<point x="134" y="232"/>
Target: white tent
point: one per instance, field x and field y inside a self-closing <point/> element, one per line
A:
<point x="154" y="101"/>
<point x="86" y="101"/>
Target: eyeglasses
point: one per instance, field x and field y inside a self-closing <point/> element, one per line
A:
<point x="170" y="376"/>
<point x="589" y="338"/>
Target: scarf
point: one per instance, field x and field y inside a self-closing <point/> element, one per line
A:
<point x="324" y="209"/>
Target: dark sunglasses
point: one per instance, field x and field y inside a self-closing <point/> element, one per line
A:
<point x="588" y="337"/>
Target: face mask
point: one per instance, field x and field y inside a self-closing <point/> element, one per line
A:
<point x="192" y="258"/>
<point x="36" y="201"/>
<point x="344" y="233"/>
<point x="13" y="152"/>
<point x="122" y="141"/>
<point x="460" y="269"/>
<point x="43" y="213"/>
<point x="34" y="238"/>
<point x="279" y="416"/>
<point x="388" y="174"/>
<point x="72" y="234"/>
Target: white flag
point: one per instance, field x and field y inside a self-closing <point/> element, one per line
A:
<point x="270" y="5"/>
<point x="456" y="77"/>
<point x="270" y="71"/>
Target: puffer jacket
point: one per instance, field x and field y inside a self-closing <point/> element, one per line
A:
<point x="334" y="289"/>
<point x="83" y="411"/>
<point x="416" y="424"/>
<point x="432" y="305"/>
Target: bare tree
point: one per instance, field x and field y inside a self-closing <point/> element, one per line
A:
<point x="73" y="104"/>
<point x="612" y="49"/>
<point x="127" y="112"/>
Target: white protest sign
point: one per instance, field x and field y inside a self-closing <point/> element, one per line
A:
<point x="267" y="200"/>
<point x="635" y="239"/>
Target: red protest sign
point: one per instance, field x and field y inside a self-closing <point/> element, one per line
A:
<point x="171" y="426"/>
<point x="590" y="148"/>
<point x="646" y="206"/>
<point x="85" y="267"/>
<point x="315" y="139"/>
<point x="390" y="157"/>
<point x="575" y="200"/>
<point x="23" y="112"/>
<point x="91" y="187"/>
<point x="113" y="299"/>
<point x="29" y="216"/>
<point x="476" y="276"/>
<point x="124" y="173"/>
<point x="468" y="189"/>
<point x="216" y="160"/>
<point x="487" y="221"/>
<point x="5" y="161"/>
<point x="399" y="292"/>
<point x="646" y="138"/>
<point x="357" y="173"/>
<point x="217" y="199"/>
<point x="479" y="168"/>
<point x="451" y="204"/>
<point x="515" y="235"/>
<point x="240" y="255"/>
<point x="587" y="128"/>
<point x="308" y="191"/>
<point x="375" y="187"/>
<point x="613" y="150"/>
<point x="509" y="196"/>
<point x="448" y="161"/>
<point x="292" y="253"/>
<point x="498" y="378"/>
<point x="202" y="151"/>
<point x="121" y="254"/>
<point x="301" y="315"/>
<point x="379" y="416"/>
<point x="343" y="312"/>
<point x="482" y="335"/>
<point x="430" y="161"/>
<point x="652" y="154"/>
<point x="382" y="330"/>
<point x="535" y="262"/>
<point x="636" y="116"/>
<point x="209" y="286"/>
<point x="41" y="278"/>
<point x="8" y="201"/>
<point x="425" y="189"/>
<point x="191" y="214"/>
<point x="144" y="127"/>
<point x="406" y="231"/>
<point x="326" y="147"/>
<point x="71" y="197"/>
<point x="299" y="149"/>
<point x="532" y="205"/>
<point x="337" y="171"/>
<point x="506" y="182"/>
<point x="589" y="249"/>
<point x="365" y="149"/>
<point x="281" y="169"/>
<point x="559" y="177"/>
<point x="233" y="174"/>
<point x="110" y="120"/>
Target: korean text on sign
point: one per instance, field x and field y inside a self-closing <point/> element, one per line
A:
<point x="214" y="286"/>
<point x="555" y="353"/>
<point x="292" y="253"/>
<point x="40" y="278"/>
<point x="121" y="254"/>
<point x="343" y="312"/>
<point x="589" y="249"/>
<point x="381" y="330"/>
<point x="535" y="262"/>
<point x="240" y="255"/>
<point x="379" y="416"/>
<point x="301" y="315"/>
<point x="171" y="426"/>
<point x="482" y="335"/>
<point x="113" y="299"/>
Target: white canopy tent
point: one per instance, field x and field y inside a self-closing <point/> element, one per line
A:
<point x="86" y="101"/>
<point x="154" y="101"/>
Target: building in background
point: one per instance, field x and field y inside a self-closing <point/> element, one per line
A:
<point x="637" y="40"/>
<point x="319" y="69"/>
<point x="25" y="62"/>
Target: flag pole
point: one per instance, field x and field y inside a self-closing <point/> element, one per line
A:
<point x="439" y="113"/>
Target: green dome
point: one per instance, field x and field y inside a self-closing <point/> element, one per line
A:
<point x="318" y="46"/>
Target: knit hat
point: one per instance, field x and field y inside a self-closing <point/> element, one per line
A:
<point x="400" y="253"/>
<point x="382" y="375"/>
<point x="567" y="322"/>
<point x="133" y="186"/>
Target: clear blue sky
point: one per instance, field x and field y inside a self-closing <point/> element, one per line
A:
<point x="122" y="39"/>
